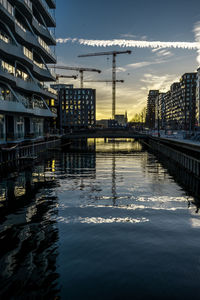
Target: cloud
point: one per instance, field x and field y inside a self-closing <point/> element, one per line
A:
<point x="128" y="35"/>
<point x="155" y="82"/>
<point x="164" y="53"/>
<point x="133" y="43"/>
<point x="197" y="39"/>
<point x="120" y="69"/>
<point x="143" y="64"/>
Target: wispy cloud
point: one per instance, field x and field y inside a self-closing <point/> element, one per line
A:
<point x="132" y="43"/>
<point x="158" y="47"/>
<point x="143" y="64"/>
<point x="164" y="53"/>
<point x="155" y="82"/>
<point x="197" y="39"/>
<point x="128" y="36"/>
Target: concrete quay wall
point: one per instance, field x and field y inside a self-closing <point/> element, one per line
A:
<point x="188" y="162"/>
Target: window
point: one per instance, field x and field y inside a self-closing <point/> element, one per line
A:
<point x="20" y="127"/>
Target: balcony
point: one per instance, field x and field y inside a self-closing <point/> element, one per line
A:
<point x="46" y="34"/>
<point x="46" y="12"/>
<point x="10" y="49"/>
<point x="7" y="6"/>
<point x="13" y="76"/>
<point x="46" y="52"/>
<point x="41" y="73"/>
<point x="35" y="42"/>
<point x="6" y="11"/>
<point x="14" y="106"/>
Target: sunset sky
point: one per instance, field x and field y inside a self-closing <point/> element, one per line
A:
<point x="80" y="23"/>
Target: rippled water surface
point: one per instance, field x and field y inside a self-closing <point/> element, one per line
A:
<point x="110" y="223"/>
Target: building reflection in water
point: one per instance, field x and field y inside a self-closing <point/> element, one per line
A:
<point x="163" y="168"/>
<point x="29" y="208"/>
<point x="29" y="235"/>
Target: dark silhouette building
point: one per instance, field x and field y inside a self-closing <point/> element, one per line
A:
<point x="76" y="107"/>
<point x="151" y="101"/>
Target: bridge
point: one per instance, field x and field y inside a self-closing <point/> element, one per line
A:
<point x="104" y="133"/>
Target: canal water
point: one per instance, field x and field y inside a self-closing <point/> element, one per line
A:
<point x="104" y="221"/>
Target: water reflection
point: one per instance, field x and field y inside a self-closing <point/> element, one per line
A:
<point x="100" y="221"/>
<point x="189" y="182"/>
<point x="29" y="235"/>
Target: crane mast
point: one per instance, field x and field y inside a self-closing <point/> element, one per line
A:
<point x="114" y="54"/>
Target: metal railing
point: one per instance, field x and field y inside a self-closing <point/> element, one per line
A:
<point x="53" y="73"/>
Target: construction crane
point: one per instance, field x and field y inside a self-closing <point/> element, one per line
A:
<point x="107" y="81"/>
<point x="80" y="70"/>
<point x="65" y="76"/>
<point x="114" y="54"/>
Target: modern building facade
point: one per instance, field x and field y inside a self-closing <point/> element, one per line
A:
<point x="178" y="109"/>
<point x="150" y="117"/>
<point x="25" y="52"/>
<point x="76" y="107"/>
<point x="181" y="103"/>
<point x="160" y="119"/>
<point x="198" y="98"/>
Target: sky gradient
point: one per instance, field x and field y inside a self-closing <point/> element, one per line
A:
<point x="146" y="68"/>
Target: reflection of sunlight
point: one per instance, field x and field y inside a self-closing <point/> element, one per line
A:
<point x="135" y="207"/>
<point x="31" y="211"/>
<point x="19" y="191"/>
<point x="162" y="199"/>
<point x="195" y="222"/>
<point x="53" y="165"/>
<point x="100" y="220"/>
<point x="2" y="196"/>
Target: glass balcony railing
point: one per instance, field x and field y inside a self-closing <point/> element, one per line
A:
<point x="20" y="25"/>
<point x="52" y="73"/>
<point x="44" y="28"/>
<point x="7" y="6"/>
<point x="40" y="65"/>
<point x="52" y="34"/>
<point x="46" y="47"/>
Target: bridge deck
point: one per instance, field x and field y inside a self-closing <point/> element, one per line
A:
<point x="104" y="134"/>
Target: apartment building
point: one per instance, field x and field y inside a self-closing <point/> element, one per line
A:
<point x="160" y="111"/>
<point x="26" y="49"/>
<point x="150" y="117"/>
<point x="198" y="98"/>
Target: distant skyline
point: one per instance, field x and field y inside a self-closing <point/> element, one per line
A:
<point x="135" y="26"/>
